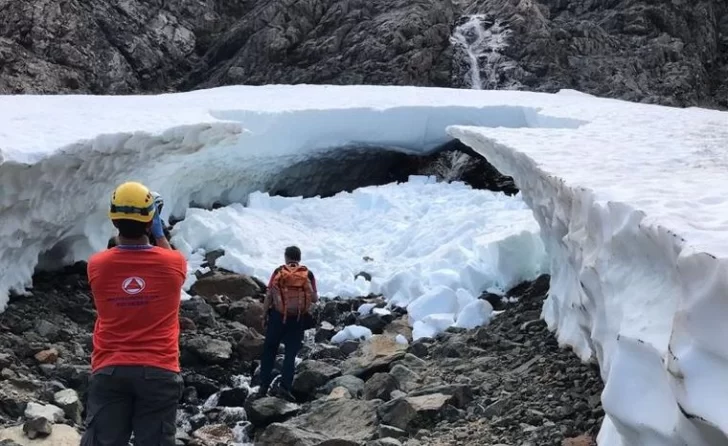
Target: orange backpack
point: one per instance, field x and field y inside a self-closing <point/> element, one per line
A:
<point x="295" y="291"/>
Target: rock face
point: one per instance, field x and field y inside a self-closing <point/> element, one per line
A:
<point x="666" y="52"/>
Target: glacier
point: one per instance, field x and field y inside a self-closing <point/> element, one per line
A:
<point x="626" y="197"/>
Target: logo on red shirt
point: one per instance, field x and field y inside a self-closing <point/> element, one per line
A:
<point x="133" y="285"/>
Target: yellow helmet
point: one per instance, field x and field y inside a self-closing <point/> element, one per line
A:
<point x="132" y="201"/>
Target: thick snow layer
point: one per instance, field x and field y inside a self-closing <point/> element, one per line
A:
<point x="60" y="156"/>
<point x="428" y="246"/>
<point x="633" y="211"/>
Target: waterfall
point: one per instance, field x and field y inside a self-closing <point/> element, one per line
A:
<point x="483" y="40"/>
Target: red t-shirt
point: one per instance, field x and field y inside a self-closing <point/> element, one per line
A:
<point x="137" y="296"/>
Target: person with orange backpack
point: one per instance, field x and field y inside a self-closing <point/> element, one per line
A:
<point x="287" y="312"/>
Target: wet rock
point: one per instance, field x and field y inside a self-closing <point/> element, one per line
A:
<point x="233" y="397"/>
<point x="69" y="401"/>
<point x="375" y="355"/>
<point x="234" y="286"/>
<point x="209" y="350"/>
<point x="38" y="427"/>
<point x="267" y="410"/>
<point x="189" y="396"/>
<point x="312" y="375"/>
<point x="354" y="385"/>
<point x="203" y="385"/>
<point x="380" y="386"/>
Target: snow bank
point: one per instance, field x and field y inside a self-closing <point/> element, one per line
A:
<point x="430" y="247"/>
<point x="634" y="215"/>
<point x="60" y="156"/>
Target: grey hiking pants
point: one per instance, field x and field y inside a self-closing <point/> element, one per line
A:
<point x="126" y="399"/>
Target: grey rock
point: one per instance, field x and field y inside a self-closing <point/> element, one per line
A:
<point x="50" y="412"/>
<point x="234" y="397"/>
<point x="325" y="332"/>
<point x="264" y="411"/>
<point x="386" y="431"/>
<point x="312" y="375"/>
<point x="38" y="427"/>
<point x="374" y="322"/>
<point x="354" y="385"/>
<point x="209" y="350"/>
<point x="69" y="401"/>
<point x="407" y="379"/>
<point x="380" y="386"/>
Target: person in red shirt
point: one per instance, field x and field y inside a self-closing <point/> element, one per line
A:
<point x="135" y="384"/>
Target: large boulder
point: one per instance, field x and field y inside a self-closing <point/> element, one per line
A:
<point x="69" y="401"/>
<point x="312" y="375"/>
<point x="234" y="286"/>
<point x="264" y="411"/>
<point x="249" y="343"/>
<point x="380" y="386"/>
<point x="247" y="311"/>
<point x="337" y="421"/>
<point x="411" y="413"/>
<point x="375" y="355"/>
<point x="49" y="411"/>
<point x="209" y="350"/>
<point x="280" y="434"/>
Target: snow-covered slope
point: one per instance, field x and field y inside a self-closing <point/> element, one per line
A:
<point x="633" y="211"/>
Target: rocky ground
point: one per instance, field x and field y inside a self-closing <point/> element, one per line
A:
<point x="504" y="384"/>
<point x="673" y="53"/>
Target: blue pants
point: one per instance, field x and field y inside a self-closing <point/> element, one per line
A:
<point x="291" y="334"/>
